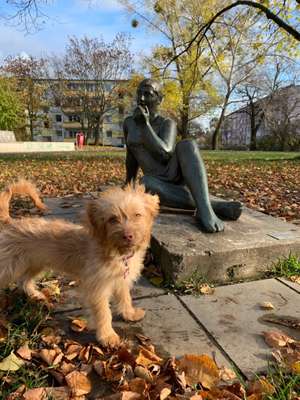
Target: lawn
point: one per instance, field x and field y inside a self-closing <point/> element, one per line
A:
<point x="266" y="181"/>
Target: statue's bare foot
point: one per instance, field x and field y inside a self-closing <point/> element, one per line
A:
<point x="210" y="223"/>
<point x="230" y="210"/>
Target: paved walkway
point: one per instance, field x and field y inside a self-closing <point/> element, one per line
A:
<point x="227" y="325"/>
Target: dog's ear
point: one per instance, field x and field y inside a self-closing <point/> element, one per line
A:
<point x="95" y="218"/>
<point x="152" y="203"/>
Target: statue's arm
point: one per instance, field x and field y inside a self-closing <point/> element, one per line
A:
<point x="162" y="145"/>
<point x="131" y="163"/>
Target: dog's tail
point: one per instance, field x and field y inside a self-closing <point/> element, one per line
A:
<point x="21" y="187"/>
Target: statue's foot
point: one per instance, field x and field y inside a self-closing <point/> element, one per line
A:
<point x="230" y="210"/>
<point x="210" y="223"/>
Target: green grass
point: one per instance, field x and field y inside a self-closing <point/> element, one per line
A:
<point x="287" y="385"/>
<point x="209" y="155"/>
<point x="287" y="266"/>
<point x="26" y="319"/>
<point x="238" y="156"/>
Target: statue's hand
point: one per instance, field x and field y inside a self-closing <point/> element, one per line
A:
<point x="142" y="114"/>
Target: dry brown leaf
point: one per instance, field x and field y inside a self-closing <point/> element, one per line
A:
<point x="24" y="352"/>
<point x="277" y="339"/>
<point x="126" y="356"/>
<point x="58" y="393"/>
<point x="85" y="353"/>
<point x="295" y="278"/>
<point x="266" y="305"/>
<point x="199" y="369"/>
<point x="78" y="383"/>
<point x="261" y="386"/>
<point x="97" y="351"/>
<point x="147" y="357"/>
<point x="126" y="395"/>
<point x="35" y="394"/>
<point x="72" y="351"/>
<point x="66" y="367"/>
<point x="99" y="367"/>
<point x="51" y="356"/>
<point x="142" y="372"/>
<point x="138" y="385"/>
<point x="78" y="325"/>
<point x="17" y="394"/>
<point x="206" y="289"/>
<point x="227" y="374"/>
<point x="51" y="339"/>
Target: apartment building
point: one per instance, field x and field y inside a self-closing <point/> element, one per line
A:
<point x="66" y="114"/>
<point x="282" y="107"/>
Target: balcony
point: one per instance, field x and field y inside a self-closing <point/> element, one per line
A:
<point x="71" y="125"/>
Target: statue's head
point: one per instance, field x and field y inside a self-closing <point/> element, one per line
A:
<point x="149" y="94"/>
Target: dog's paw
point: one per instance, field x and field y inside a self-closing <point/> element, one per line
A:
<point x="135" y="315"/>
<point x="112" y="340"/>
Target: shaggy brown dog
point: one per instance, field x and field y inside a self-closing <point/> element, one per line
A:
<point x="105" y="254"/>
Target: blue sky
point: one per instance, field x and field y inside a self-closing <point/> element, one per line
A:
<point x="92" y="18"/>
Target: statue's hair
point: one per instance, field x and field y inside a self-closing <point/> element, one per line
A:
<point x="156" y="86"/>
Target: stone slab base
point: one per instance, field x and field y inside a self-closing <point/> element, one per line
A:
<point x="32" y="147"/>
<point x="245" y="250"/>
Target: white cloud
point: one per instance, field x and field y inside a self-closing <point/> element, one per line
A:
<point x="103" y="5"/>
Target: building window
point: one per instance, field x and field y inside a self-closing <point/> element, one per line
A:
<point x="58" y="132"/>
<point x="58" y="118"/>
<point x="74" y="118"/>
<point x="109" y="134"/>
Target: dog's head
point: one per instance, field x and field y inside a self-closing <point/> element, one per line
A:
<point x="122" y="218"/>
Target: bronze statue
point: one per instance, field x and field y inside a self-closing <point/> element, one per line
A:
<point x="174" y="171"/>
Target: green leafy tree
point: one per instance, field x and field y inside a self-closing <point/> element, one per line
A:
<point x="11" y="106"/>
<point x="28" y="73"/>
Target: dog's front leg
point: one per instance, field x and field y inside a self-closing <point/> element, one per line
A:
<point x="124" y="303"/>
<point x="103" y="319"/>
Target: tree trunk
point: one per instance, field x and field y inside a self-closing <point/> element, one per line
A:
<point x="184" y="119"/>
<point x="253" y="129"/>
<point x="98" y="130"/>
<point x="31" y="128"/>
<point x="214" y="139"/>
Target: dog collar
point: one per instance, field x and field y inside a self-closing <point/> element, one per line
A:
<point x="125" y="260"/>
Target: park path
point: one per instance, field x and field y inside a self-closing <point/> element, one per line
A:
<point x="226" y="325"/>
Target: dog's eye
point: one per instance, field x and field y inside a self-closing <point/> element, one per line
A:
<point x="138" y="215"/>
<point x="113" y="220"/>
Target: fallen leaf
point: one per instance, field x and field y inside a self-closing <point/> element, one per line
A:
<point x="266" y="305"/>
<point x="295" y="278"/>
<point x="51" y="356"/>
<point x="78" y="383"/>
<point x="261" y="386"/>
<point x="11" y="363"/>
<point x="277" y="339"/>
<point x="142" y="372"/>
<point x="206" y="289"/>
<point x="59" y="393"/>
<point x="138" y="385"/>
<point x="78" y="325"/>
<point x="199" y="369"/>
<point x="226" y="374"/>
<point x="147" y="357"/>
<point x="24" y="352"/>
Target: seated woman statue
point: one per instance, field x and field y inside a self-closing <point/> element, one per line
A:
<point x="174" y="171"/>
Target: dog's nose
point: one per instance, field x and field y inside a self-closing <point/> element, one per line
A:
<point x="128" y="237"/>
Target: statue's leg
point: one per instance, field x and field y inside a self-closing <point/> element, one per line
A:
<point x="194" y="174"/>
<point x="170" y="194"/>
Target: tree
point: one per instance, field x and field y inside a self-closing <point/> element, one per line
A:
<point x="282" y="117"/>
<point x="11" y="107"/>
<point x="257" y="91"/>
<point x="28" y="73"/>
<point x="188" y="76"/>
<point x="101" y="68"/>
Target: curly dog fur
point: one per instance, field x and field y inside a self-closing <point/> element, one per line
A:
<point x="105" y="254"/>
